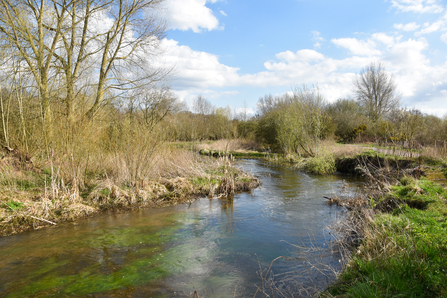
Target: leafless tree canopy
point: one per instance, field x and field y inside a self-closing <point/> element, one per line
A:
<point x="270" y="102"/>
<point x="74" y="48"/>
<point x="202" y="106"/>
<point x="376" y="91"/>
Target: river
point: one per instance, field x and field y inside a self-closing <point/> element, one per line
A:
<point x="215" y="247"/>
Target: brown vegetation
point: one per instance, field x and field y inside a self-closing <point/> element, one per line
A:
<point x="45" y="193"/>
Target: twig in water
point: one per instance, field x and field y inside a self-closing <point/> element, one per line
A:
<point x="265" y="275"/>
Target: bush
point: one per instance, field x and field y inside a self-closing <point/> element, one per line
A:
<point x="322" y="164"/>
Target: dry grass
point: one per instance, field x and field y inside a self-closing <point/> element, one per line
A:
<point x="237" y="145"/>
<point x="436" y="153"/>
<point x="342" y="150"/>
<point x="174" y="162"/>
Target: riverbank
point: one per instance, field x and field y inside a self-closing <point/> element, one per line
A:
<point x="401" y="243"/>
<point x="34" y="195"/>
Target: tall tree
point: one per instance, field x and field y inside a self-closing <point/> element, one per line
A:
<point x="376" y="91"/>
<point x="24" y="26"/>
<point x="62" y="40"/>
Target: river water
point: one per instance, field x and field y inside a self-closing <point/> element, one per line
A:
<point x="216" y="247"/>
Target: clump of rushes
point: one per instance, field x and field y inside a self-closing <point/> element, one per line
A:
<point x="403" y="252"/>
<point x="322" y="164"/>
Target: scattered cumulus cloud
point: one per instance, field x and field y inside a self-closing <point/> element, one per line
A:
<point x="357" y="47"/>
<point x="317" y="39"/>
<point x="195" y="69"/>
<point x="223" y="13"/>
<point x="407" y="27"/>
<point x="439" y="25"/>
<point x="444" y="37"/>
<point x="385" y="38"/>
<point x="190" y="15"/>
<point x="417" y="6"/>
<point x="430" y="28"/>
<point x="302" y="55"/>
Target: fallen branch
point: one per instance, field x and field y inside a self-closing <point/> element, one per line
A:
<point x="43" y="220"/>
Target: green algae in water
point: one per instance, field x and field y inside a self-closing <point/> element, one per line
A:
<point x="91" y="280"/>
<point x="135" y="256"/>
<point x="134" y="260"/>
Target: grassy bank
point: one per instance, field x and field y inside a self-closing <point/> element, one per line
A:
<point x="35" y="195"/>
<point x="403" y="247"/>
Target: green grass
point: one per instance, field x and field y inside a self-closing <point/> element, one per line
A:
<point x="321" y="165"/>
<point x="13" y="206"/>
<point x="25" y="181"/>
<point x="404" y="252"/>
<point x="430" y="161"/>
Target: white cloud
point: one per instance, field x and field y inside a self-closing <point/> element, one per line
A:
<point x="241" y="111"/>
<point x="196" y="69"/>
<point x="407" y="27"/>
<point x="302" y="55"/>
<point x="438" y="25"/>
<point x="386" y="39"/>
<point x="357" y="47"/>
<point x="418" y="6"/>
<point x="444" y="37"/>
<point x="410" y="65"/>
<point x="317" y="39"/>
<point x="223" y="13"/>
<point x="190" y="14"/>
<point x="430" y="28"/>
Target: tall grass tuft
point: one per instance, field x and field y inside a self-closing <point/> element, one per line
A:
<point x="322" y="164"/>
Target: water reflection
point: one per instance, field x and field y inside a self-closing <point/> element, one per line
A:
<point x="212" y="246"/>
<point x="227" y="214"/>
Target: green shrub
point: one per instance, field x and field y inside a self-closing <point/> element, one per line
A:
<point x="322" y="164"/>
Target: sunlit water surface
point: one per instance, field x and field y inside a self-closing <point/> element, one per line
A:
<point x="214" y="247"/>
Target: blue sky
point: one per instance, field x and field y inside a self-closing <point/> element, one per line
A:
<point x="233" y="51"/>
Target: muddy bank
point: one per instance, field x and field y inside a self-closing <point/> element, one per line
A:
<point x="351" y="165"/>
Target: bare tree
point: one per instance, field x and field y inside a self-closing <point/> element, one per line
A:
<point x="62" y="41"/>
<point x="376" y="91"/>
<point x="202" y="106"/>
<point x="23" y="26"/>
<point x="270" y="102"/>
